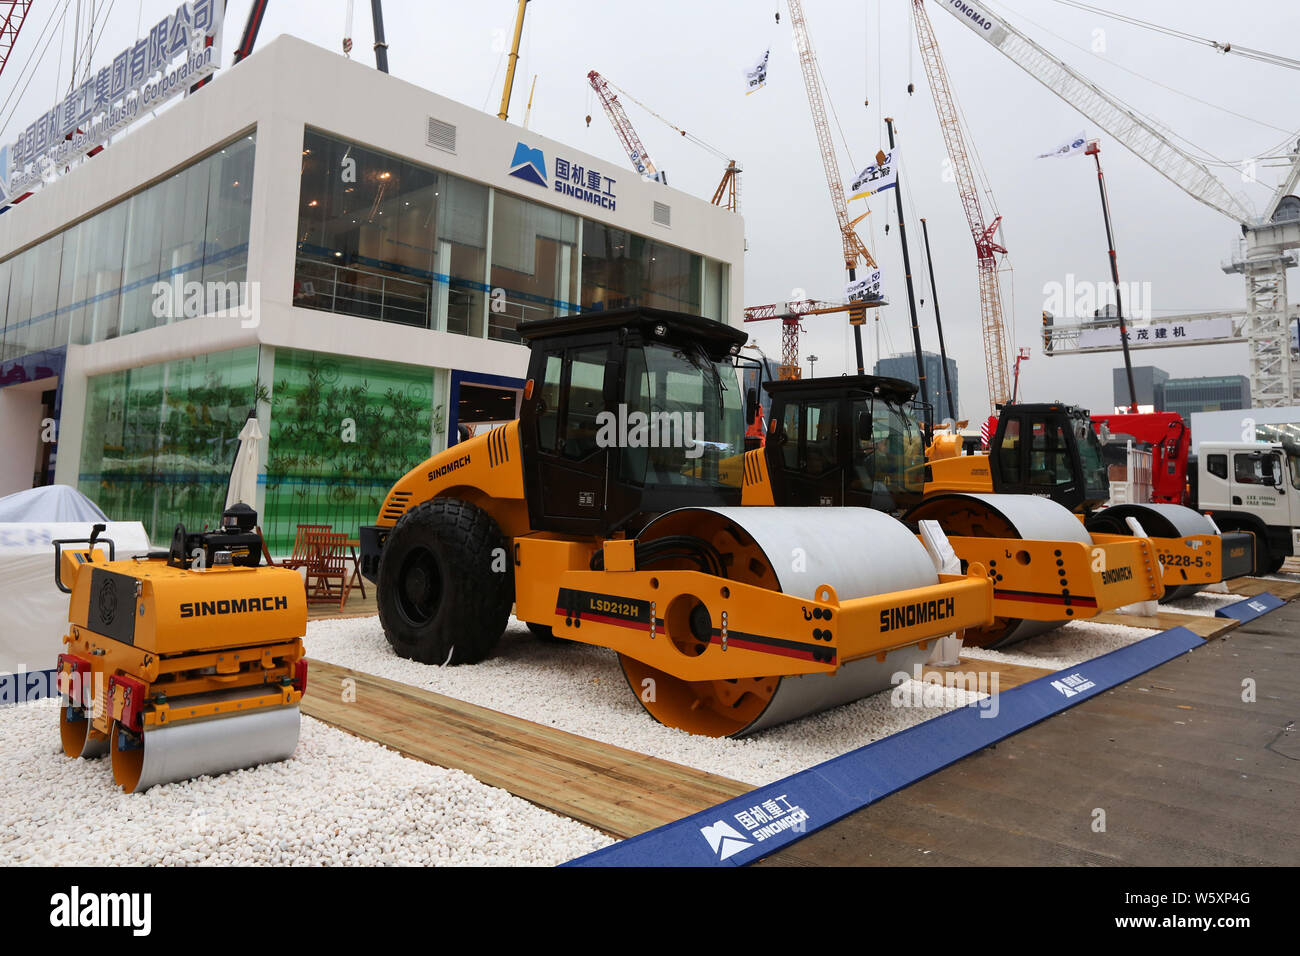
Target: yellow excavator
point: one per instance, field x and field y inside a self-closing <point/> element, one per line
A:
<point x="182" y="663"/>
<point x="610" y="513"/>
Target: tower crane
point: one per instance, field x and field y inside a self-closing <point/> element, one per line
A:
<point x="1270" y="240"/>
<point x="728" y="192"/>
<point x="986" y="249"/>
<point x="855" y="252"/>
<point x="636" y="150"/>
<point x="14" y="14"/>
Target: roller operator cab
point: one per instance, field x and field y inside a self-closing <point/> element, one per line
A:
<point x="609" y="514"/>
<point x="1052" y="450"/>
<point x="850" y="440"/>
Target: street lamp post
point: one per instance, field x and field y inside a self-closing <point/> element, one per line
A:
<point x="812" y="366"/>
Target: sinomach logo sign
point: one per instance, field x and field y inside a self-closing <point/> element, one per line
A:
<point x="571" y="179"/>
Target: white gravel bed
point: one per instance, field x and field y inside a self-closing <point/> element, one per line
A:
<point x="581" y="689"/>
<point x="1203" y="603"/>
<point x="1064" y="647"/>
<point x="339" y="800"/>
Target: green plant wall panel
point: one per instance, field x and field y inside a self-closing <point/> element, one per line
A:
<point x="343" y="430"/>
<point x="159" y="441"/>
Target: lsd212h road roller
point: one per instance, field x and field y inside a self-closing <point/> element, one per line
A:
<point x="609" y="514"/>
<point x="852" y="440"/>
<point x="182" y="663"/>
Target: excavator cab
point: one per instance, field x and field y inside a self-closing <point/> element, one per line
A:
<point x="1049" y="450"/>
<point x="850" y="440"/>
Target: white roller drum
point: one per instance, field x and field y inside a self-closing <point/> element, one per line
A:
<point x="1028" y="518"/>
<point x="184" y="751"/>
<point x="857" y="551"/>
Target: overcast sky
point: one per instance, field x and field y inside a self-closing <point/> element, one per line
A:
<point x="685" y="60"/>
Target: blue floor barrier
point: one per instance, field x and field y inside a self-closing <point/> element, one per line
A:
<point x="1250" y="608"/>
<point x="764" y="820"/>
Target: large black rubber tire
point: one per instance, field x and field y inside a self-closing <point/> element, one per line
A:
<point x="1270" y="563"/>
<point x="443" y="596"/>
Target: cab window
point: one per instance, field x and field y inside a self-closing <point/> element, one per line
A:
<point x="1217" y="465"/>
<point x="586" y="401"/>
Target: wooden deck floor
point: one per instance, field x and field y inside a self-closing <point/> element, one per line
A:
<point x="612" y="789"/>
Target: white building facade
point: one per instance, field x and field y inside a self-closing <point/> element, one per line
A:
<point x="335" y="250"/>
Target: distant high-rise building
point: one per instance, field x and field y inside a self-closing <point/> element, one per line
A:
<point x="1210" y="393"/>
<point x="1148" y="382"/>
<point x="904" y="367"/>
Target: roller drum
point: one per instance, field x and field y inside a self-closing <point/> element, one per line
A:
<point x="183" y="751"/>
<point x="857" y="551"/>
<point x="1160" y="520"/>
<point x="1023" y="517"/>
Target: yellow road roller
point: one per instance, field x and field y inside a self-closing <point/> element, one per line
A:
<point x="610" y="513"/>
<point x="182" y="663"/>
<point x="852" y="440"/>
<point x="1050" y="450"/>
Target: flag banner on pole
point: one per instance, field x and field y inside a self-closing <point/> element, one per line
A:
<point x="1074" y="144"/>
<point x="877" y="178"/>
<point x="866" y="289"/>
<point x="756" y="75"/>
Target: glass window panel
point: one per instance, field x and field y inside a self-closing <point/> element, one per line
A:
<point x="46" y="260"/>
<point x="621" y="269"/>
<point x="229" y="212"/>
<point x="461" y="259"/>
<point x="533" y="264"/>
<point x="159" y="441"/>
<point x="6" y="268"/>
<point x="96" y="318"/>
<point x="70" y="271"/>
<point x="180" y="260"/>
<point x="548" y="408"/>
<point x="145" y="215"/>
<point x="313" y="475"/>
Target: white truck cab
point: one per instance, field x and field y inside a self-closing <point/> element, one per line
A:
<point x="1252" y="486"/>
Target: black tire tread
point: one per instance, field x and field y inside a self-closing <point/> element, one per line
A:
<point x="476" y="600"/>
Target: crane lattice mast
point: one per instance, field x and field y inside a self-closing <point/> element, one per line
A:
<point x="12" y="15"/>
<point x="623" y="126"/>
<point x="986" y="249"/>
<point x="855" y="253"/>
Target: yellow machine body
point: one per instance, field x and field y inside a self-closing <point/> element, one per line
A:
<point x="152" y="647"/>
<point x="1185" y="560"/>
<point x="726" y="681"/>
<point x="1034" y="580"/>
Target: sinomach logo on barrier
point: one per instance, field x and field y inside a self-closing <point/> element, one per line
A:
<point x="450" y="466"/>
<point x="1124" y="573"/>
<point x="909" y="615"/>
<point x="234" y="606"/>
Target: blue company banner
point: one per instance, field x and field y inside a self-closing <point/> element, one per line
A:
<point x="772" y="817"/>
<point x="1250" y="608"/>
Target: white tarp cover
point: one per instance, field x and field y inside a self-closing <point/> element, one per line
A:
<point x="51" y="503"/>
<point x="33" y="612"/>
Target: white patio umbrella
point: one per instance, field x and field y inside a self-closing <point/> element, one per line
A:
<point x="243" y="476"/>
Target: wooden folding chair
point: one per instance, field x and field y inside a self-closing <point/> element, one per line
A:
<point x="327" y="570"/>
<point x="301" y="549"/>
